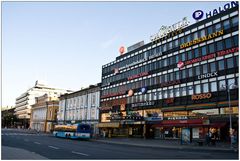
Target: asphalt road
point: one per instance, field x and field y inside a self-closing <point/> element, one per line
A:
<point x="58" y="148"/>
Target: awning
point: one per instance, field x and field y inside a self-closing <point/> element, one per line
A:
<point x="108" y="124"/>
<point x="226" y="103"/>
<point x="201" y="106"/>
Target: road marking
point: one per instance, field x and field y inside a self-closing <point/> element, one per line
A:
<point x="37" y="143"/>
<point x="53" y="147"/>
<point x="74" y="152"/>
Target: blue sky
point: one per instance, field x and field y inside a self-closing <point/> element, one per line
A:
<point x="66" y="43"/>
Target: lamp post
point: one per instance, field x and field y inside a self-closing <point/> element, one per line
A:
<point x="230" y="111"/>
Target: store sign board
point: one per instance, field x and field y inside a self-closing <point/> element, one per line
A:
<point x="138" y="75"/>
<point x="177" y="118"/>
<point x="142" y="104"/>
<point x="208" y="75"/>
<point x="166" y="30"/>
<point x="202" y="39"/>
<point x="201" y="96"/>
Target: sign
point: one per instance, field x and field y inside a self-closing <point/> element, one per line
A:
<point x="195" y="133"/>
<point x="135" y="46"/>
<point x="228" y="51"/>
<point x="208" y="75"/>
<point x="130" y="92"/>
<point x="116" y="70"/>
<point x="185" y="138"/>
<point x="177" y="118"/>
<point x="166" y="30"/>
<point x="201" y="39"/>
<point x="201" y="96"/>
<point x="180" y="64"/>
<point x="121" y="50"/>
<point x="138" y="75"/>
<point x="143" y="90"/>
<point x="113" y="94"/>
<point x="197" y="15"/>
<point x="169" y="100"/>
<point x="142" y="104"/>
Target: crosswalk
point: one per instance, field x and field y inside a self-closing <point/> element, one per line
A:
<point x="24" y="134"/>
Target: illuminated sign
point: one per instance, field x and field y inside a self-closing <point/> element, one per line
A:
<point x="201" y="39"/>
<point x="166" y="30"/>
<point x="228" y="51"/>
<point x="135" y="46"/>
<point x="116" y="70"/>
<point x="197" y="15"/>
<point x="130" y="92"/>
<point x="121" y="50"/>
<point x="201" y="96"/>
<point x="141" y="104"/>
<point x="138" y="75"/>
<point x="180" y="64"/>
<point x="143" y="90"/>
<point x="208" y="75"/>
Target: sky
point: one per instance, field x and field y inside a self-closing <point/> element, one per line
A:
<point x="65" y="44"/>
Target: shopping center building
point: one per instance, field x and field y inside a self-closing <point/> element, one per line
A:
<point x="186" y="77"/>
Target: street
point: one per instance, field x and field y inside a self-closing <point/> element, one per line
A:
<point x="57" y="148"/>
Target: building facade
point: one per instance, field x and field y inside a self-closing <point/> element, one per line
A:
<point x="27" y="99"/>
<point x="44" y="113"/>
<point x="178" y="82"/>
<point x="80" y="107"/>
<point x="8" y="117"/>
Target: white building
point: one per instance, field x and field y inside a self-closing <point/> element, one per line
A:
<point x="27" y="99"/>
<point x="80" y="107"/>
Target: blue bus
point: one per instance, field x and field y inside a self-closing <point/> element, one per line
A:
<point x="76" y="131"/>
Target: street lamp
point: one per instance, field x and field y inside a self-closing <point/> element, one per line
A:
<point x="230" y="110"/>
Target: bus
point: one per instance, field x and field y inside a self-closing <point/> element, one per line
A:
<point x="75" y="131"/>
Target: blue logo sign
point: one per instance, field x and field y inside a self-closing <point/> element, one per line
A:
<point x="144" y="90"/>
<point x="197" y="15"/>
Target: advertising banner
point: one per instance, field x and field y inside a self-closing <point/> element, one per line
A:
<point x="185" y="138"/>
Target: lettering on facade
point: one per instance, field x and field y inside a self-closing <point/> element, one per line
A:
<point x="208" y="75"/>
<point x="228" y="51"/>
<point x="105" y="108"/>
<point x="169" y="100"/>
<point x="142" y="104"/>
<point x="201" y="96"/>
<point x="165" y="31"/>
<point x="138" y="75"/>
<point x="177" y="118"/>
<point x="201" y="39"/>
<point x="113" y="94"/>
<point x="170" y="83"/>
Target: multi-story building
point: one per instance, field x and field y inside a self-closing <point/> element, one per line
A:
<point x="179" y="81"/>
<point x="24" y="102"/>
<point x="8" y="117"/>
<point x="80" y="107"/>
<point x="44" y="113"/>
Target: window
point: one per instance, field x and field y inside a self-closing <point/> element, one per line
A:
<point x="164" y="47"/>
<point x="209" y="30"/>
<point x="236" y="58"/>
<point x="183" y="74"/>
<point x="190" y="90"/>
<point x="231" y="83"/>
<point x="171" y="93"/>
<point x="226" y="24"/>
<point x="165" y="62"/>
<point x="205" y="69"/>
<point x="218" y="27"/>
<point x="204" y="51"/>
<point x="219" y="45"/>
<point x="197" y="70"/>
<point x="183" y="91"/>
<point x="165" y="94"/>
<point x="182" y="40"/>
<point x="205" y="88"/>
<point x="189" y="55"/>
<point x="190" y="72"/>
<point x="177" y="92"/>
<point x="212" y="67"/>
<point x="176" y="43"/>
<point x="171" y="76"/>
<point x="211" y="48"/>
<point x="221" y="65"/>
<point x="196" y="53"/>
<point x="170" y="45"/>
<point x="183" y="57"/>
<point x="228" y="43"/>
<point x="235" y="40"/>
<point x="230" y="63"/>
<point x="177" y="75"/>
<point x="176" y="58"/>
<point x="222" y="85"/>
<point x="188" y="38"/>
<point x="160" y="95"/>
<point x="235" y="21"/>
<point x="202" y="33"/>
<point x="213" y="86"/>
<point x="195" y="35"/>
<point x="198" y="89"/>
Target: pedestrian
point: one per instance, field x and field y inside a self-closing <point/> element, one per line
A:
<point x="207" y="138"/>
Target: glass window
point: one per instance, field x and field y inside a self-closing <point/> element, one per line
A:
<point x="176" y="43"/>
<point x="165" y="94"/>
<point x="182" y="40"/>
<point x="171" y="93"/>
<point x="177" y="92"/>
<point x="213" y="86"/>
<point x="171" y="76"/>
<point x="166" y="77"/>
<point x="190" y="90"/>
<point x="183" y="56"/>
<point x="164" y="47"/>
<point x="177" y="59"/>
<point x="228" y="43"/>
<point x="226" y="24"/>
<point x="222" y="85"/>
<point x="218" y="27"/>
<point x="219" y="45"/>
<point x="177" y="75"/>
<point x="189" y="55"/>
<point x="236" y="58"/>
<point x="212" y="67"/>
<point x="205" y="69"/>
<point x="198" y="89"/>
<point x="209" y="30"/>
<point x="197" y="70"/>
<point x="183" y="91"/>
<point x="235" y="40"/>
<point x="221" y="65"/>
<point x="195" y="35"/>
<point x="202" y="33"/>
<point x="196" y="53"/>
<point x="205" y="88"/>
<point x="165" y="62"/>
<point x="204" y="51"/>
<point x="235" y="21"/>
<point x="231" y="83"/>
<point x="189" y="38"/>
<point x="230" y="63"/>
<point x="211" y="48"/>
<point x="160" y="95"/>
<point x="183" y="74"/>
<point x="190" y="72"/>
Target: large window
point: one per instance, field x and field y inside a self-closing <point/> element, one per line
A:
<point x="196" y="53"/>
<point x="221" y="65"/>
<point x="204" y="51"/>
<point x="189" y="55"/>
<point x="219" y="45"/>
<point x="183" y="74"/>
<point x="197" y="70"/>
<point x="190" y="90"/>
<point x="213" y="86"/>
<point x="190" y="72"/>
<point x="226" y="24"/>
<point x="213" y="67"/>
<point x="177" y="75"/>
<point x="205" y="88"/>
<point x="205" y="69"/>
<point x="228" y="43"/>
<point x="235" y="40"/>
<point x="209" y="30"/>
<point x="222" y="85"/>
<point x="183" y="91"/>
<point x="211" y="48"/>
<point x="176" y="92"/>
<point x="235" y="21"/>
<point x="230" y="63"/>
<point x="202" y="33"/>
<point x="198" y="89"/>
<point x="231" y="83"/>
<point x="183" y="57"/>
<point x="218" y="27"/>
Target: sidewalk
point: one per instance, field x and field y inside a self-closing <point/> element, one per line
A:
<point x="168" y="144"/>
<point x="10" y="153"/>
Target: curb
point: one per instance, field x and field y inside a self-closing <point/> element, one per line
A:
<point x="170" y="147"/>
